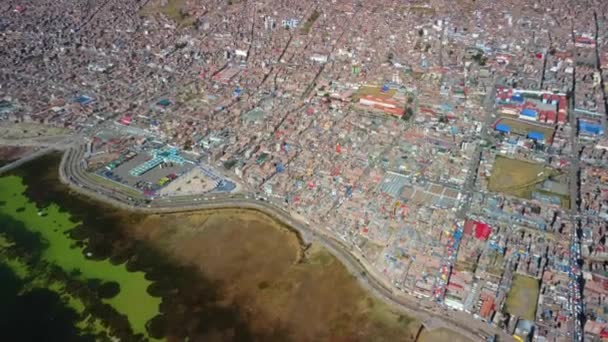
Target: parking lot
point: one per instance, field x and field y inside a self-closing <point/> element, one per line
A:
<point x="152" y="180"/>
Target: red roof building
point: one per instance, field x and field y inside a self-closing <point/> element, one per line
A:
<point x="562" y="106"/>
<point x="600" y="279"/>
<point x="383" y="103"/>
<point x="551" y="117"/>
<point x="482" y="231"/>
<point x="398" y="112"/>
<point x="529" y="104"/>
<point x="584" y="42"/>
<point x="487" y="308"/>
<point x="386" y="102"/>
<point x="546" y="98"/>
<point x="503" y="97"/>
<point x="126" y="120"/>
<point x="427" y="110"/>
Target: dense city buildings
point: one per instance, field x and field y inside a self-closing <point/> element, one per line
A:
<point x="458" y="148"/>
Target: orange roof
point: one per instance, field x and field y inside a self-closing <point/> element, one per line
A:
<point x="487" y="307"/>
<point x="381" y="99"/>
<point x="395" y="111"/>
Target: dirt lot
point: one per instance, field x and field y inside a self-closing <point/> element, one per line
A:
<point x="262" y="267"/>
<point x="516" y="177"/>
<point x="192" y="182"/>
<point x="523" y="297"/>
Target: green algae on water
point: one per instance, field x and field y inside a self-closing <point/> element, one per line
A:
<point x="53" y="225"/>
<point x="38" y="278"/>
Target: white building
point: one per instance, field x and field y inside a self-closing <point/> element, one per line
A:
<point x="319" y="58"/>
<point x="290" y="23"/>
<point x="241" y="53"/>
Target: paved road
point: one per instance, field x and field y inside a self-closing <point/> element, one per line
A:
<point x="60" y="145"/>
<point x="73" y="174"/>
<point x="575" y="291"/>
<point x="469" y="185"/>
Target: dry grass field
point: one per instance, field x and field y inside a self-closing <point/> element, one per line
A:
<point x="262" y="267"/>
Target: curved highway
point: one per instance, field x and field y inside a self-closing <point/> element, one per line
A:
<point x="73" y="174"/>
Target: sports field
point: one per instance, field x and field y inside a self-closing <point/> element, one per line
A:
<point x="523" y="297"/>
<point x="517" y="177"/>
<point x="373" y="91"/>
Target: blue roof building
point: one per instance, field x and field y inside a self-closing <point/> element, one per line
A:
<point x="446" y="107"/>
<point x="546" y="197"/>
<point x="529" y="112"/>
<point x="83" y="100"/>
<point x="517" y="98"/>
<point x="538" y="136"/>
<point x="159" y="156"/>
<point x="590" y="127"/>
<point x="163" y="103"/>
<point x="503" y="128"/>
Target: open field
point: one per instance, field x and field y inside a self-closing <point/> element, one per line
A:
<point x="192" y="182"/>
<point x="13" y="131"/>
<point x="523" y="128"/>
<point x="310" y="21"/>
<point x="261" y="265"/>
<point x="174" y="9"/>
<point x="523" y="297"/>
<point x="440" y="334"/>
<point x="373" y="91"/>
<point x="517" y="177"/>
<point x="496" y="264"/>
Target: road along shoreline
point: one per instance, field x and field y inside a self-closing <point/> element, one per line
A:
<point x="73" y="175"/>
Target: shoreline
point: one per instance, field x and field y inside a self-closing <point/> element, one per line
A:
<point x="431" y="316"/>
<point x="278" y="225"/>
<point x="365" y="275"/>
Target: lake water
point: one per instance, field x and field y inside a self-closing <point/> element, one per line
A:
<point x="51" y="226"/>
